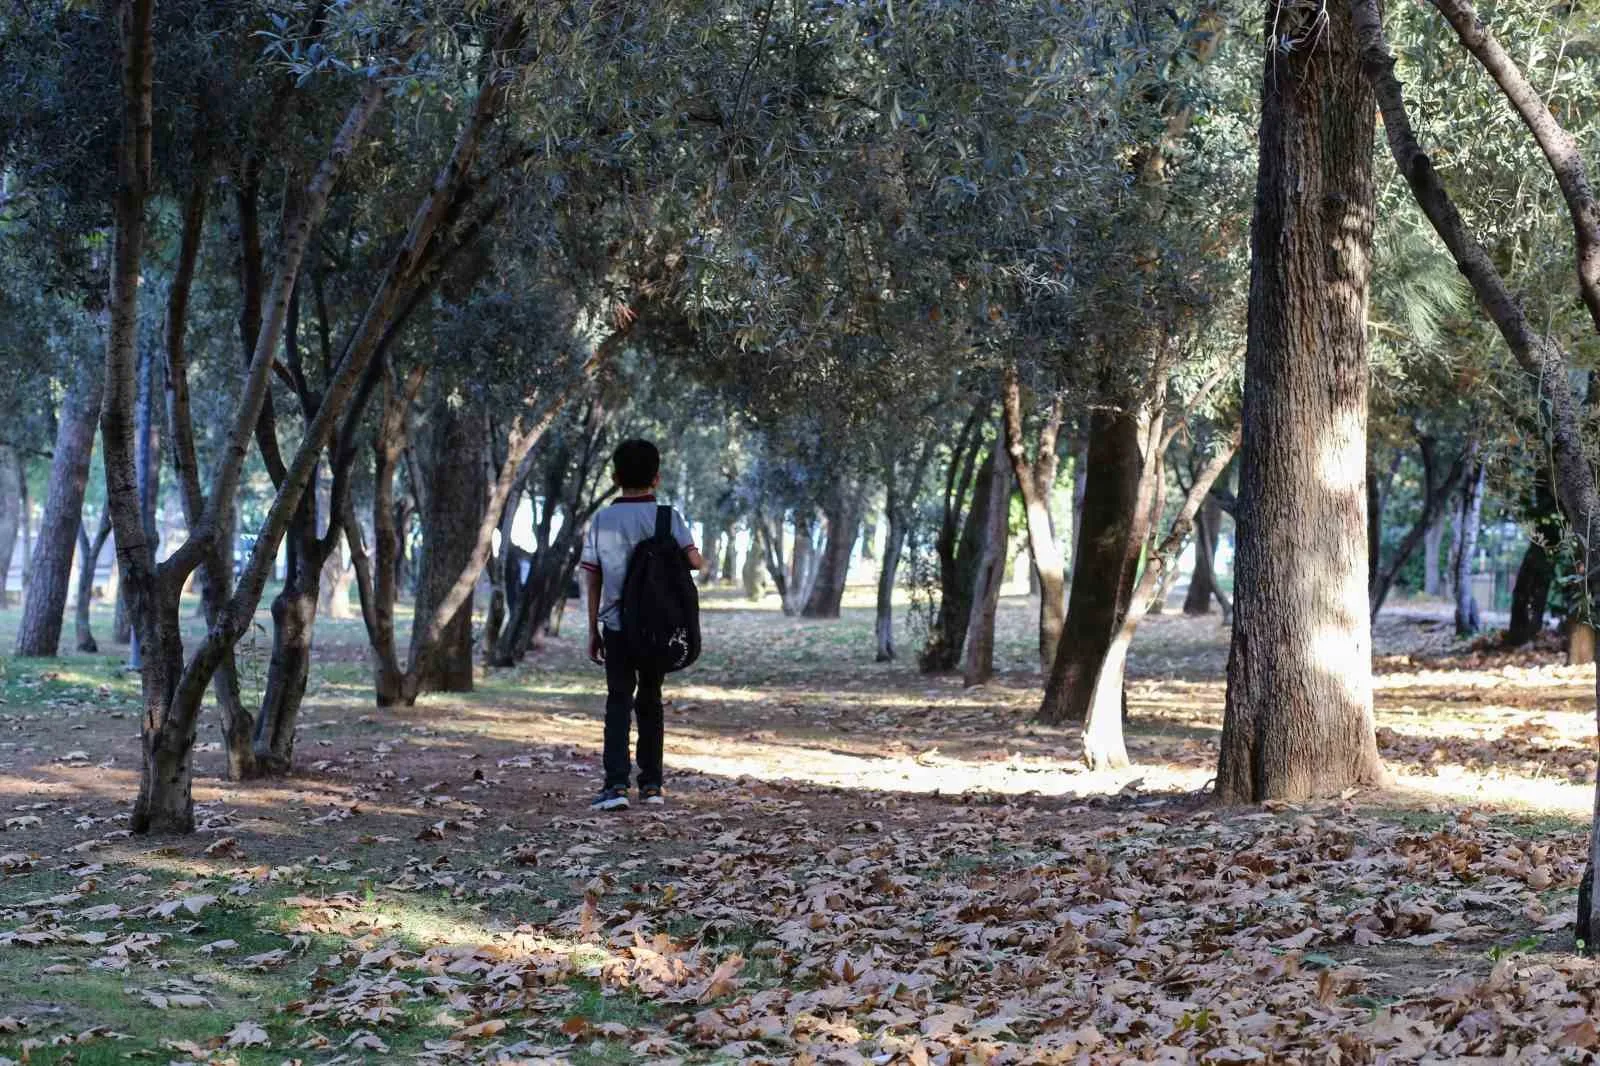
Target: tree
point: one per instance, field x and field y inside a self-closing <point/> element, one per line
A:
<point x="1298" y="718"/>
<point x="1036" y="479"/>
<point x="44" y="607"/>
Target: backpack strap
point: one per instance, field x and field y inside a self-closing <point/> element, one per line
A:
<point x="663" y="520"/>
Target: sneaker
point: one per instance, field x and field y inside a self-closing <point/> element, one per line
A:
<point x="652" y="797"/>
<point x="611" y="799"/>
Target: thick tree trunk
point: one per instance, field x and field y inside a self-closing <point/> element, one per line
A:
<point x="1468" y="518"/>
<point x="450" y="521"/>
<point x="1203" y="582"/>
<point x="43" y="611"/>
<point x="1432" y="543"/>
<point x="833" y="565"/>
<point x="10" y="514"/>
<point x="978" y="660"/>
<point x="1298" y="718"/>
<point x="1113" y="525"/>
<point x="89" y="550"/>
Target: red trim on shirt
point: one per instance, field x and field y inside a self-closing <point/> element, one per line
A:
<point x="590" y="566"/>
<point x="649" y="498"/>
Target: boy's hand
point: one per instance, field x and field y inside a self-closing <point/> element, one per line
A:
<point x="597" y="648"/>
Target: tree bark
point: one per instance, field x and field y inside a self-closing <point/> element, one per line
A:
<point x="39" y="634"/>
<point x="1468" y="518"/>
<point x="978" y="661"/>
<point x="843" y="513"/>
<point x="1298" y="717"/>
<point x="1113" y="525"/>
<point x="456" y="500"/>
<point x="10" y="515"/>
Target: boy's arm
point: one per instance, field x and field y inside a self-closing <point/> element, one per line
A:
<point x="691" y="550"/>
<point x="597" y="644"/>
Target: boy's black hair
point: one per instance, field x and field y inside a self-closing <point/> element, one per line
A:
<point x="636" y="463"/>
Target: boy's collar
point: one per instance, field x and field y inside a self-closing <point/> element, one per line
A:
<point x="648" y="497"/>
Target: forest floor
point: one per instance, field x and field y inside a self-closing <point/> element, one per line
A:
<point x="857" y="864"/>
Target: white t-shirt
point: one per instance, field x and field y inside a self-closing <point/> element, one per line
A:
<point x="610" y="541"/>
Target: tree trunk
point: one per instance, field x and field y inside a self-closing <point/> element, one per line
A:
<point x="25" y="506"/>
<point x="1113" y="524"/>
<point x="802" y="563"/>
<point x="1530" y="595"/>
<point x="770" y="542"/>
<point x="1432" y="583"/>
<point x="1580" y="643"/>
<point x="1298" y="717"/>
<point x="750" y="572"/>
<point x="43" y="612"/>
<point x="10" y="513"/>
<point x="730" y="557"/>
<point x="978" y="661"/>
<point x="294" y="619"/>
<point x="1436" y="491"/>
<point x="1468" y="518"/>
<point x="89" y="550"/>
<point x="453" y="513"/>
<point x="833" y="565"/>
<point x="958" y="573"/>
<point x="1036" y="478"/>
<point x="1203" y="582"/>
<point x="711" y="549"/>
<point x="889" y="568"/>
<point x="147" y="460"/>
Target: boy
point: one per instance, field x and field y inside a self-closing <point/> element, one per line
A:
<point x="630" y="690"/>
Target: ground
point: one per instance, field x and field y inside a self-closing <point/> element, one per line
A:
<point x="857" y="864"/>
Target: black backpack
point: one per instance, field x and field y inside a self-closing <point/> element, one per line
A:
<point x="660" y="604"/>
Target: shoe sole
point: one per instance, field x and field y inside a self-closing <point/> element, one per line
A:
<point x="610" y="805"/>
<point x="656" y="802"/>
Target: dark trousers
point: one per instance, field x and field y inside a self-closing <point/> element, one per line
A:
<point x="631" y="692"/>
